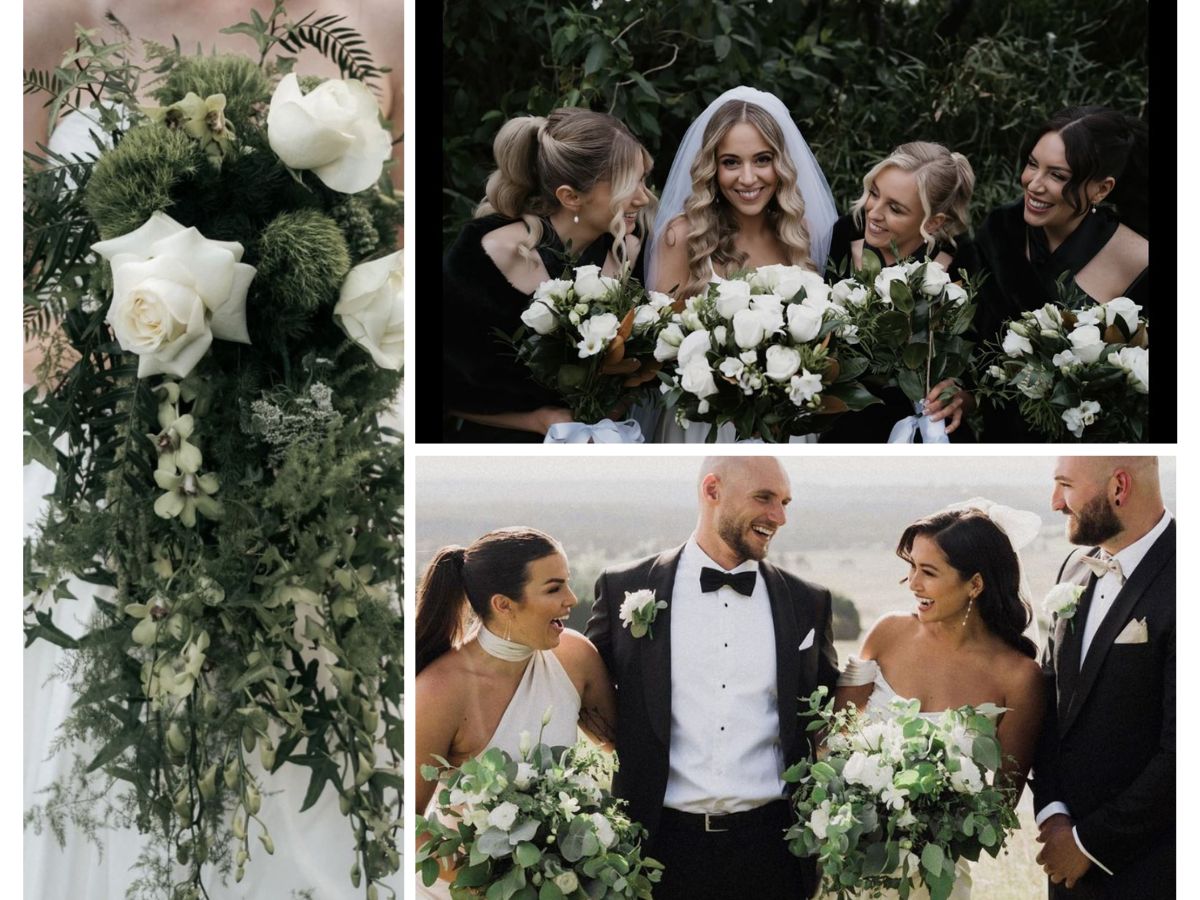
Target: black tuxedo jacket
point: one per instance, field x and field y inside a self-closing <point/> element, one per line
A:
<point x="641" y="670"/>
<point x="1107" y="748"/>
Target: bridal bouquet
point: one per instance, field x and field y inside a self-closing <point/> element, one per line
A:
<point x="909" y="321"/>
<point x="894" y="801"/>
<point x="219" y="288"/>
<point x="756" y="350"/>
<point x="1079" y="372"/>
<point x="591" y="338"/>
<point x="538" y="826"/>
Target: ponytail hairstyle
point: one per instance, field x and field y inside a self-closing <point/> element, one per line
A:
<point x="1100" y="143"/>
<point x="497" y="563"/>
<point x="973" y="543"/>
<point x="711" y="223"/>
<point x="945" y="182"/>
<point x="579" y="148"/>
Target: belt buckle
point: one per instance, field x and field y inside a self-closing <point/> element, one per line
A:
<point x="708" y="826"/>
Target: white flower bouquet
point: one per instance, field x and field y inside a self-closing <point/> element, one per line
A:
<point x="591" y="339"/>
<point x="894" y="801"/>
<point x="1079" y="371"/>
<point x="755" y="350"/>
<point x="539" y="826"/>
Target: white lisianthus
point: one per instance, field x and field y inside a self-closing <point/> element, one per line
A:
<point x="658" y="299"/>
<point x="967" y="780"/>
<point x="695" y="346"/>
<point x="749" y="329"/>
<point x="804" y="323"/>
<point x="996" y="372"/>
<point x="1135" y="361"/>
<point x="956" y="294"/>
<point x="818" y="820"/>
<point x="595" y="332"/>
<point x="174" y="290"/>
<point x="590" y="285"/>
<point x="782" y="362"/>
<point x="1064" y="359"/>
<point x="503" y="816"/>
<point x="1093" y="316"/>
<point x="568" y="804"/>
<point x="476" y="817"/>
<point x="883" y="281"/>
<point x="524" y="776"/>
<point x="893" y="796"/>
<point x="1049" y="319"/>
<point x="556" y="290"/>
<point x="696" y="377"/>
<point x="573" y="317"/>
<point x="804" y="387"/>
<point x="669" y="340"/>
<point x="333" y="130"/>
<point x="690" y="317"/>
<point x="935" y="280"/>
<point x="1122" y="308"/>
<point x="731" y="367"/>
<point x="644" y="317"/>
<point x="718" y="335"/>
<point x="906" y="819"/>
<point x="1087" y="342"/>
<point x="540" y="317"/>
<point x="1062" y="600"/>
<point x="849" y="291"/>
<point x="1079" y="417"/>
<point x="849" y="334"/>
<point x="749" y="357"/>
<point x="604" y="830"/>
<point x="1015" y="345"/>
<point x="731" y="297"/>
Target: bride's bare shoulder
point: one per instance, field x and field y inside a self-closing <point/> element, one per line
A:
<point x="890" y="629"/>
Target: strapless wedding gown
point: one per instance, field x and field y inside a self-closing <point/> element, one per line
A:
<point x="314" y="851"/>
<point x="545" y="683"/>
<point x="866" y="671"/>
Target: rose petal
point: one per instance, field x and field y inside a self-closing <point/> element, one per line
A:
<point x="139" y="241"/>
<point x="228" y="322"/>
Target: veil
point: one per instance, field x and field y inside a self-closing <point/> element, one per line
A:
<point x="819" y="210"/>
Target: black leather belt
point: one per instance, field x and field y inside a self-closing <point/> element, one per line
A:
<point x="777" y="813"/>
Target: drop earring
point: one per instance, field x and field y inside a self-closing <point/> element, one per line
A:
<point x="970" y="603"/>
<point x="508" y="629"/>
<point x="576" y="218"/>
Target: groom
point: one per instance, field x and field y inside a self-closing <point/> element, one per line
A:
<point x="1104" y="776"/>
<point x="707" y="700"/>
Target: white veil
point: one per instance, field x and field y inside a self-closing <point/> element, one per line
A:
<point x="819" y="210"/>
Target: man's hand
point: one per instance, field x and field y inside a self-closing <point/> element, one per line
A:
<point x="1061" y="857"/>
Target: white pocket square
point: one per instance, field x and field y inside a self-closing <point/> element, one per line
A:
<point x="808" y="639"/>
<point x="1133" y="633"/>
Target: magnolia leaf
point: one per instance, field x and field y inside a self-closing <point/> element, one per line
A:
<point x="931" y="859"/>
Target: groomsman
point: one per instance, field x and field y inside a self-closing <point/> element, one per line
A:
<point x="1104" y="777"/>
<point x="707" y="698"/>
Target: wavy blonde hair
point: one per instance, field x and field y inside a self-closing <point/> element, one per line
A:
<point x="580" y="148"/>
<point x="945" y="182"/>
<point x="711" y="224"/>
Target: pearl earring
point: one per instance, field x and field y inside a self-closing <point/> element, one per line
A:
<point x="576" y="219"/>
<point x="970" y="603"/>
<point x="508" y="629"/>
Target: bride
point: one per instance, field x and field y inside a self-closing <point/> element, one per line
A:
<point x="484" y="691"/>
<point x="965" y="642"/>
<point x="744" y="191"/>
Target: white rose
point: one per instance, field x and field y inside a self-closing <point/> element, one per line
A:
<point x="595" y="332"/>
<point x="936" y="279"/>
<point x="804" y="323"/>
<point x="770" y="310"/>
<point x="1122" y="308"/>
<point x="1049" y="318"/>
<point x="732" y="296"/>
<point x="956" y="294"/>
<point x="669" y="340"/>
<point x="731" y="367"/>
<point x="749" y="357"/>
<point x="370" y="309"/>
<point x="555" y="290"/>
<point x="1135" y="361"/>
<point x="1087" y="342"/>
<point x="1079" y="417"/>
<point x="883" y="281"/>
<point x="696" y="378"/>
<point x="804" y="387"/>
<point x="540" y="318"/>
<point x="503" y="816"/>
<point x="590" y="285"/>
<point x="718" y="335"/>
<point x="174" y="290"/>
<point x="1061" y="600"/>
<point x="567" y="882"/>
<point x="782" y="362"/>
<point x="1015" y="345"/>
<point x="333" y="130"/>
<point x="604" y="830"/>
<point x="849" y="291"/>
<point x="658" y="300"/>
<point x="749" y="328"/>
<point x="690" y="317"/>
<point x="645" y="316"/>
<point x="695" y="346"/>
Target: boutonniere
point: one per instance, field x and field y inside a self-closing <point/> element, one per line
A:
<point x="639" y="610"/>
<point x="1062" y="601"/>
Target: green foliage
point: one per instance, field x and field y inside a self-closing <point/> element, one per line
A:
<point x="242" y="82"/>
<point x="858" y="78"/>
<point x="303" y="257"/>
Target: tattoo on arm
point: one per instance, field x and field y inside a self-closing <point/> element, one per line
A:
<point x="595" y="723"/>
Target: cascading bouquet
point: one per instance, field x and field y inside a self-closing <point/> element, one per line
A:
<point x="223" y="485"/>
<point x="755" y="350"/>
<point x="1079" y="370"/>
<point x="591" y="338"/>
<point x="539" y="826"/>
<point x="895" y="800"/>
<point x="909" y="320"/>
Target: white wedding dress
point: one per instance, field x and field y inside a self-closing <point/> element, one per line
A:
<point x="545" y="683"/>
<point x="866" y="671"/>
<point x="314" y="851"/>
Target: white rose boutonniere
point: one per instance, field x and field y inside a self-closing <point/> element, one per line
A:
<point x="370" y="309"/>
<point x="1062" y="601"/>
<point x="333" y="130"/>
<point x="639" y="610"/>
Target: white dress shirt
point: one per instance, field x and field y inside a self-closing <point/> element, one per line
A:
<point x="725" y="754"/>
<point x="1103" y="594"/>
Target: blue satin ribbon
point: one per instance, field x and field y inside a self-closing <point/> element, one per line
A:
<point x="606" y="431"/>
<point x="906" y="429"/>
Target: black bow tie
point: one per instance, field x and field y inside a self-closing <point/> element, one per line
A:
<point x="712" y="579"/>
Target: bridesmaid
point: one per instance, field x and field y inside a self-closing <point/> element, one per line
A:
<point x="744" y="191"/>
<point x="1079" y="158"/>
<point x="918" y="199"/>
<point x="570" y="182"/>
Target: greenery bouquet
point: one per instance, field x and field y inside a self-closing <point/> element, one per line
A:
<point x="220" y="293"/>
<point x="540" y="827"/>
<point x="895" y="800"/>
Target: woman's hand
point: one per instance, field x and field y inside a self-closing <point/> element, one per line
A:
<point x="946" y="400"/>
<point x="550" y="415"/>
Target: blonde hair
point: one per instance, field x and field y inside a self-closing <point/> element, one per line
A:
<point x="945" y="182"/>
<point x="711" y="225"/>
<point x="579" y="148"/>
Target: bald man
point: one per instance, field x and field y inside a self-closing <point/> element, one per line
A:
<point x="707" y="700"/>
<point x="1104" y="777"/>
